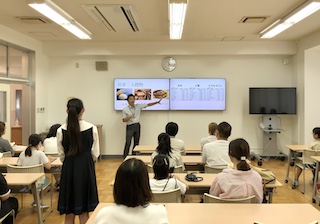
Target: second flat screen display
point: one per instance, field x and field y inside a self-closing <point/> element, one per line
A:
<point x="197" y="94"/>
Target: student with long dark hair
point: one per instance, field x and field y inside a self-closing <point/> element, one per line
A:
<point x="34" y="156"/>
<point x="78" y="145"/>
<point x="241" y="181"/>
<point x="164" y="147"/>
<point x="132" y="196"/>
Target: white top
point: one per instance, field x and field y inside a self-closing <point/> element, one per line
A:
<point x="50" y="145"/>
<point x="206" y="140"/>
<point x="84" y="125"/>
<point x="135" y="110"/>
<point x="315" y="145"/>
<point x="177" y="145"/>
<point x="167" y="185"/>
<point x="37" y="157"/>
<point x="216" y="154"/>
<point x="121" y="214"/>
<point x="175" y="158"/>
<point x="233" y="184"/>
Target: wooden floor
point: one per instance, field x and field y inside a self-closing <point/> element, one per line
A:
<point x="106" y="169"/>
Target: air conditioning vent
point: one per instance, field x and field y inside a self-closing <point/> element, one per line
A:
<point x="115" y="18"/>
<point x="253" y="19"/>
<point x="32" y="20"/>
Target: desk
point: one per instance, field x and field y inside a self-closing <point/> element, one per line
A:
<point x="4" y="161"/>
<point x="21" y="179"/>
<point x="293" y="149"/>
<point x="189" y="160"/>
<point x="18" y="149"/>
<point x="148" y="149"/>
<point x="315" y="198"/>
<point x="190" y="213"/>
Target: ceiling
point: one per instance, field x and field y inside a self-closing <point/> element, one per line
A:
<point x="206" y="20"/>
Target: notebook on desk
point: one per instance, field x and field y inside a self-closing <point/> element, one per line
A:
<point x="53" y="159"/>
<point x="17" y="147"/>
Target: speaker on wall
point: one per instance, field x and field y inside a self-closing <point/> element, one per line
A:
<point x="101" y="65"/>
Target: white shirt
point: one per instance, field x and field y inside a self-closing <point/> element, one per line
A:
<point x="50" y="145"/>
<point x="206" y="140"/>
<point x="177" y="145"/>
<point x="135" y="110"/>
<point x="37" y="157"/>
<point x="167" y="185"/>
<point x="175" y="159"/>
<point x="216" y="154"/>
<point x="121" y="214"/>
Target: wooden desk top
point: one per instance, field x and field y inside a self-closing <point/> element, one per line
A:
<point x="186" y="159"/>
<point x="297" y="147"/>
<point x="22" y="178"/>
<point x="190" y="213"/>
<point x="316" y="158"/>
<point x="4" y="161"/>
<point x="19" y="148"/>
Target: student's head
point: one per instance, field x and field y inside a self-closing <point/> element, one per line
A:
<point x="239" y="149"/>
<point x="164" y="146"/>
<point x="2" y="128"/>
<point x="212" y="127"/>
<point x="131" y="186"/>
<point x="160" y="166"/>
<point x="172" y="128"/>
<point x="316" y="132"/>
<point x="223" y="130"/>
<point x="75" y="110"/>
<point x="131" y="99"/>
<point x="53" y="130"/>
<point x="34" y="141"/>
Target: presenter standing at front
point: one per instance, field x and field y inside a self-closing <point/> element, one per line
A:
<point x="131" y="115"/>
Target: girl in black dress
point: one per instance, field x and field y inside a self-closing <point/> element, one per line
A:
<point x="78" y="146"/>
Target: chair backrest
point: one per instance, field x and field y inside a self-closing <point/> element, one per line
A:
<point x="208" y="169"/>
<point x="25" y="169"/>
<point x="172" y="196"/>
<point x="6" y="154"/>
<point x="177" y="169"/>
<point x="207" y="198"/>
<point x="306" y="156"/>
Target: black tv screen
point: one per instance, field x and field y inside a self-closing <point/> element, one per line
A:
<point x="272" y="101"/>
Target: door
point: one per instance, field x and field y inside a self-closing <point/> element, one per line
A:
<point x="5" y="109"/>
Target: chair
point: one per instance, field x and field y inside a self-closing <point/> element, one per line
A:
<point x="172" y="196"/>
<point x="208" y="169"/>
<point x="6" y="154"/>
<point x="12" y="213"/>
<point x="41" y="185"/>
<point x="305" y="161"/>
<point x="177" y="169"/>
<point x="207" y="198"/>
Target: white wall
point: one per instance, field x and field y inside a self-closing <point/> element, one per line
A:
<point x="96" y="90"/>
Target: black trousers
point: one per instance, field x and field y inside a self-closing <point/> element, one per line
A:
<point x="132" y="131"/>
<point x="7" y="206"/>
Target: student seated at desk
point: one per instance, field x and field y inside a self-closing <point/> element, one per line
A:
<point x="132" y="194"/>
<point x="240" y="182"/>
<point x="212" y="127"/>
<point x="313" y="146"/>
<point x="4" y="143"/>
<point x="215" y="154"/>
<point x="7" y="203"/>
<point x="176" y="144"/>
<point x="164" y="148"/>
<point x="162" y="180"/>
<point x="33" y="156"/>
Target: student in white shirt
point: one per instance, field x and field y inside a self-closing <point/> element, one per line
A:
<point x="132" y="196"/>
<point x="212" y="127"/>
<point x="33" y="156"/>
<point x="176" y="144"/>
<point x="162" y="180"/>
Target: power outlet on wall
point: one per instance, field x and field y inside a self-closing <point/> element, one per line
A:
<point x="40" y="110"/>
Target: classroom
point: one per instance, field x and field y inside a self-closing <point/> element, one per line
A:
<point x="65" y="66"/>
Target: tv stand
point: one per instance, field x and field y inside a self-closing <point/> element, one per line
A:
<point x="270" y="131"/>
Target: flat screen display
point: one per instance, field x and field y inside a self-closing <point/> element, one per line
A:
<point x="272" y="100"/>
<point x="198" y="94"/>
<point x="144" y="90"/>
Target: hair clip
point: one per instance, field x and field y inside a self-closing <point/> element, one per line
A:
<point x="243" y="158"/>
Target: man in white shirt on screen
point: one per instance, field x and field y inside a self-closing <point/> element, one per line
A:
<point x="131" y="115"/>
<point x="216" y="154"/>
<point x="176" y="144"/>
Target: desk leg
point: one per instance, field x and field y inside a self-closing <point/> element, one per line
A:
<point x="270" y="195"/>
<point x="316" y="178"/>
<point x="34" y="186"/>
